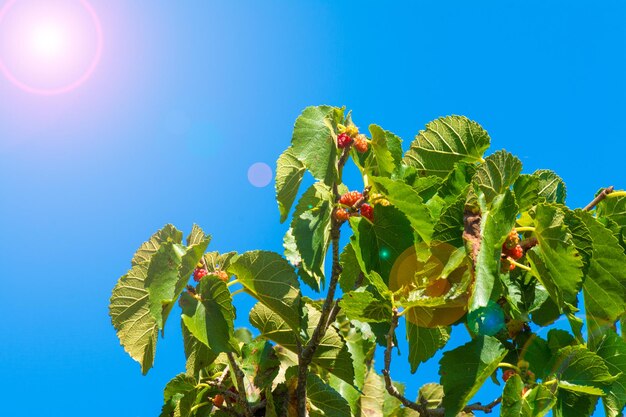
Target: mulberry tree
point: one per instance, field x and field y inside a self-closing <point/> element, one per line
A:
<point x="439" y="238"/>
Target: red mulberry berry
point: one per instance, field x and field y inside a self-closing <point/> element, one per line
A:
<point x="198" y="274"/>
<point x="360" y="143"/>
<point x="367" y="211"/>
<point x="507" y="374"/>
<point x="517" y="252"/>
<point x="343" y="140"/>
<point x="342" y="215"/>
<point x="350" y="199"/>
<point x="223" y="275"/>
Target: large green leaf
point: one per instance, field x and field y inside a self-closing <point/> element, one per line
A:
<point x="311" y="232"/>
<point x="526" y="189"/>
<point x="167" y="234"/>
<point x="377" y="245"/>
<point x="605" y="285"/>
<point x="386" y="153"/>
<point x="497" y="222"/>
<point x="551" y="186"/>
<point x="259" y="363"/>
<point x="210" y="319"/>
<point x="313" y="141"/>
<point x="364" y="306"/>
<point x="555" y="260"/>
<point x="613" y="208"/>
<point x="332" y="353"/>
<point x="612" y="349"/>
<point x="538" y="402"/>
<point x="408" y="201"/>
<point x="270" y="279"/>
<point x="576" y="365"/>
<point x="289" y="173"/>
<point x="424" y="342"/>
<point x="137" y="329"/>
<point x="570" y="404"/>
<point x="445" y="142"/>
<point x="198" y="355"/>
<point x="464" y="370"/>
<point x="512" y="402"/>
<point x="497" y="174"/>
<point x="324" y="400"/>
<point x="449" y="227"/>
<point x="350" y="269"/>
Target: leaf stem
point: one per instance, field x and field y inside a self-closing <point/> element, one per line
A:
<point x="525" y="229"/>
<point x="517" y="264"/>
<point x="198" y="406"/>
<point x="509" y="365"/>
<point x="233" y="282"/>
<point x="615" y="194"/>
<point x="239" y="291"/>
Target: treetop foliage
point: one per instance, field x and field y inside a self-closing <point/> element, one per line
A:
<point x="442" y="239"/>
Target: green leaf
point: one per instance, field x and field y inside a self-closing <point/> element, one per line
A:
<point x="325" y="401"/>
<point x="449" y="228"/>
<point x="431" y="395"/>
<point x="497" y="174"/>
<point x="465" y="369"/>
<point x="551" y="186"/>
<point x="457" y="182"/>
<point x="377" y="245"/>
<point x="558" y="339"/>
<point x="211" y="320"/>
<point x="555" y="261"/>
<point x="332" y="353"/>
<point x="582" y="389"/>
<point x="536" y="352"/>
<point x="526" y="189"/>
<point x="613" y="208"/>
<point x="363" y="306"/>
<point x="260" y="363"/>
<point x="512" y="402"/>
<point x="314" y="141"/>
<point x="129" y="309"/>
<point x="198" y="355"/>
<point x="167" y="234"/>
<point x="605" y="284"/>
<point x="311" y="232"/>
<point x="496" y="223"/>
<point x="350" y="269"/>
<point x="612" y="349"/>
<point x="538" y="402"/>
<point x="386" y="154"/>
<point x="180" y="384"/>
<point x="424" y="342"/>
<point x="445" y="142"/>
<point x="408" y="201"/>
<point x="270" y="279"/>
<point x="289" y="173"/>
<point x="570" y="404"/>
<point x="578" y="366"/>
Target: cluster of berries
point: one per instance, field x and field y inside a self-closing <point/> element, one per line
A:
<point x="349" y="135"/>
<point x="527" y="375"/>
<point x="349" y="200"/>
<point x="512" y="249"/>
<point x="201" y="272"/>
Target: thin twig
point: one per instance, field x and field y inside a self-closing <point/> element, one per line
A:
<point x="599" y="197"/>
<point x="391" y="389"/>
<point x="241" y="387"/>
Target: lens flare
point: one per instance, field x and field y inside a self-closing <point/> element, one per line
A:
<point x="49" y="47"/>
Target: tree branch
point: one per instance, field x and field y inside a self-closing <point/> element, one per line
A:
<point x="241" y="387"/>
<point x="391" y="389"/>
<point x="599" y="197"/>
<point x="330" y="307"/>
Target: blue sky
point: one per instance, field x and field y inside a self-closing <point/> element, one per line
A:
<point x="189" y="95"/>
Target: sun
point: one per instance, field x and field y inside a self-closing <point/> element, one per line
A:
<point x="49" y="47"/>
